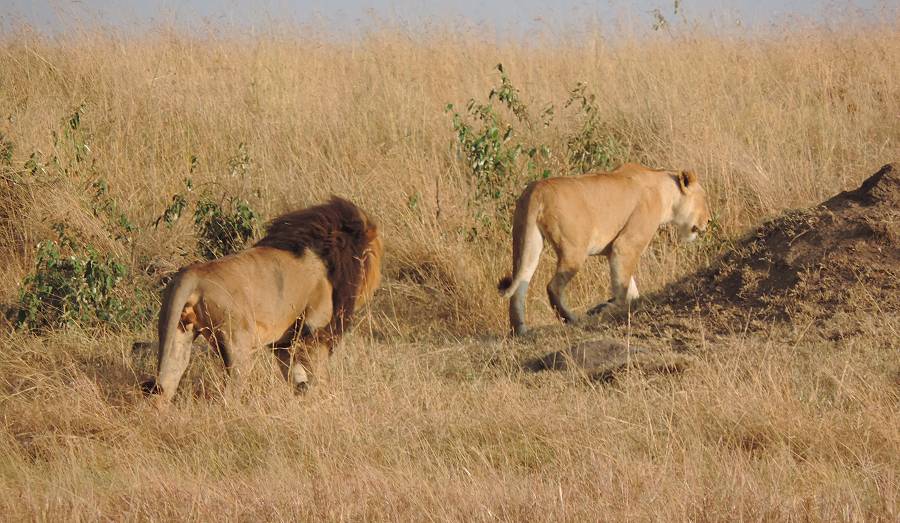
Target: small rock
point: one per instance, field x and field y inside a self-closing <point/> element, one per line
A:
<point x="601" y="359"/>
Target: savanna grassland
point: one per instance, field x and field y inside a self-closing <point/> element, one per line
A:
<point x="118" y="150"/>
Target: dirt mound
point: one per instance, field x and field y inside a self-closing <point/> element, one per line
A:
<point x="839" y="257"/>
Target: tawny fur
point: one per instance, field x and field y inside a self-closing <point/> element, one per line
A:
<point x="614" y="214"/>
<point x="301" y="282"/>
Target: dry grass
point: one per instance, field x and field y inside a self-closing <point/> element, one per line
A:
<point x="428" y="415"/>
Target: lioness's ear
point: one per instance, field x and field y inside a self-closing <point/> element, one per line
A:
<point x="686" y="179"/>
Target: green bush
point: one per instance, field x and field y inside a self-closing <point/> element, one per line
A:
<point x="501" y="159"/>
<point x="223" y="227"/>
<point x="223" y="230"/>
<point x="6" y="151"/>
<point x="593" y="146"/>
<point x="73" y="283"/>
<point x="500" y="143"/>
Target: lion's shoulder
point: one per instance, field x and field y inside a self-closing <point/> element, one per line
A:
<point x="337" y="232"/>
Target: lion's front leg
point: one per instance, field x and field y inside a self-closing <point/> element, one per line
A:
<point x="312" y="357"/>
<point x="304" y="362"/>
<point x="292" y="369"/>
<point x="317" y="339"/>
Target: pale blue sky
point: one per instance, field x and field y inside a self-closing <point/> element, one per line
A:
<point x="504" y="16"/>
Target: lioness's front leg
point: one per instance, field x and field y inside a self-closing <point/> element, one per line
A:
<point x="622" y="266"/>
<point x="610" y="305"/>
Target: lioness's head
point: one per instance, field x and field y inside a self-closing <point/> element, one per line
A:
<point x="691" y="212"/>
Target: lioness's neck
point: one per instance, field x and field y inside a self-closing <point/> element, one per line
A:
<point x="670" y="196"/>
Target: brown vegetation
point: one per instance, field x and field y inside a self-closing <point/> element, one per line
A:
<point x="429" y="413"/>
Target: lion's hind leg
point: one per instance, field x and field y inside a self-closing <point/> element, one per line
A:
<point x="174" y="356"/>
<point x="236" y="351"/>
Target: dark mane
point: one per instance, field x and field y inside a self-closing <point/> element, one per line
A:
<point x="338" y="233"/>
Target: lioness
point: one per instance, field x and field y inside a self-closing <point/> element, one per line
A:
<point x="301" y="281"/>
<point x="614" y="214"/>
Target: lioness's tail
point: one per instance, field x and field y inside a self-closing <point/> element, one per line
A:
<point x="527" y="244"/>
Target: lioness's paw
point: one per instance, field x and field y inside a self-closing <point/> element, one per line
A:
<point x="600" y="308"/>
<point x="519" y="330"/>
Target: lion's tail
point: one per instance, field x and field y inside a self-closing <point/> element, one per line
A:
<point x="528" y="242"/>
<point x="177" y="295"/>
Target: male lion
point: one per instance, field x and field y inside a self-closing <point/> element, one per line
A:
<point x="614" y="214"/>
<point x="302" y="280"/>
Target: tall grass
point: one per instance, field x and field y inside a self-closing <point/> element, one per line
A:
<point x="423" y="420"/>
<point x="768" y="123"/>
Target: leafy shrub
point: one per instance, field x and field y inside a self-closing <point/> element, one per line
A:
<point x="222" y="228"/>
<point x="73" y="283"/>
<point x="6" y="151"/>
<point x="179" y="203"/>
<point x="593" y="146"/>
<point x="105" y="207"/>
<point x="500" y="161"/>
<point x="499" y="141"/>
<point x="223" y="231"/>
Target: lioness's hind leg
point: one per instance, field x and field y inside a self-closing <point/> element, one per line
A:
<point x="566" y="269"/>
<point x="517" y="309"/>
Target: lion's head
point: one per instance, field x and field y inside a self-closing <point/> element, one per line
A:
<point x="370" y="262"/>
<point x="692" y="212"/>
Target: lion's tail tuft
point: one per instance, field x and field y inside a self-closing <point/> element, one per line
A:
<point x="150" y="387"/>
